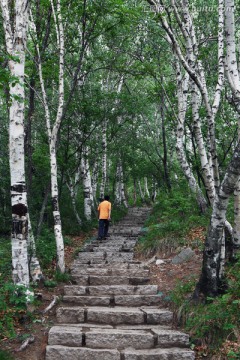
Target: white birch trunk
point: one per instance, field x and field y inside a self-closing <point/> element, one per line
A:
<point x="34" y="265"/>
<point x="234" y="82"/>
<point x="207" y="174"/>
<point x="213" y="262"/>
<point x="52" y="136"/>
<point x="154" y="190"/>
<point x="94" y="182"/>
<point x="182" y="91"/>
<point x="104" y="159"/>
<point x="199" y="78"/>
<point x="146" y="191"/>
<point x="140" y="190"/>
<point x="123" y="197"/>
<point x="118" y="197"/>
<point x="16" y="44"/>
<point x="87" y="185"/>
<point x="72" y="189"/>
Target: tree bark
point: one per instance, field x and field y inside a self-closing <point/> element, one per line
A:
<point x="212" y="275"/>
<point x="16" y="38"/>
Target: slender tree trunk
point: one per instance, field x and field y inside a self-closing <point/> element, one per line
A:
<point x="104" y="160"/>
<point x="154" y="190"/>
<point x="207" y="174"/>
<point x="53" y="134"/>
<point x="140" y="191"/>
<point x="94" y="182"/>
<point x="118" y="197"/>
<point x="165" y="152"/>
<point x="71" y="188"/>
<point x="122" y="188"/>
<point x="232" y="70"/>
<point x="87" y="185"/>
<point x="42" y="211"/>
<point x="182" y="86"/>
<point x="146" y="191"/>
<point x="16" y="43"/>
<point x="134" y="192"/>
<point x="28" y="136"/>
<point x="212" y="276"/>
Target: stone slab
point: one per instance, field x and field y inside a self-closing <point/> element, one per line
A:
<point x="120" y="339"/>
<point x="122" y="290"/>
<point x="75" y="290"/>
<point x="67" y="336"/>
<point x="57" y="352"/>
<point x="88" y="300"/>
<point x="70" y="315"/>
<point x="108" y="280"/>
<point x="88" y="271"/>
<point x="137" y="300"/>
<point x="159" y="354"/>
<point x="171" y="338"/>
<point x="115" y="316"/>
<point x="158" y="316"/>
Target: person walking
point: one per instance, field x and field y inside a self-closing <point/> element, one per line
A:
<point x="104" y="216"/>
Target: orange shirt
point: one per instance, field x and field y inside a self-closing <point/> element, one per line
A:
<point x="104" y="209"/>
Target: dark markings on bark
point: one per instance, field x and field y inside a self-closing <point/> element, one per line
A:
<point x="19" y="209"/>
<point x="55" y="204"/>
<point x="19" y="188"/>
<point x="19" y="226"/>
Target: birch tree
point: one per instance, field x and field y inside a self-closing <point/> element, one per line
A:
<point x="232" y="70"/>
<point x="16" y="29"/>
<point x="52" y="131"/>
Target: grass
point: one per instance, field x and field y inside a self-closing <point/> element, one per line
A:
<point x="173" y="216"/>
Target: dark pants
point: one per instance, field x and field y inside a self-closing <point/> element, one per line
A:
<point x="103" y="228"/>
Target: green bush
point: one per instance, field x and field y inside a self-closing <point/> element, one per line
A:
<point x="173" y="215"/>
<point x="215" y="320"/>
<point x="4" y="355"/>
<point x="13" y="300"/>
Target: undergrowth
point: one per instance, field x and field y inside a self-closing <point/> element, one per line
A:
<point x="214" y="326"/>
<point x="173" y="215"/>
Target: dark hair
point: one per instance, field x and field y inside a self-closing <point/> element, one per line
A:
<point x="107" y="197"/>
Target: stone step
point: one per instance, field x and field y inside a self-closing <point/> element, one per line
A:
<point x="114" y="316"/>
<point x="158" y="354"/>
<point x="100" y="338"/>
<point x="134" y="264"/>
<point x="59" y="352"/>
<point x="74" y="290"/>
<point x="113" y="300"/>
<point x="109" y="272"/>
<point x="91" y="280"/>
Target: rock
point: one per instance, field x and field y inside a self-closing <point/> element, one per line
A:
<point x="160" y="262"/>
<point x="184" y="256"/>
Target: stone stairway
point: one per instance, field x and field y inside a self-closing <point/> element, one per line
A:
<point x="112" y="312"/>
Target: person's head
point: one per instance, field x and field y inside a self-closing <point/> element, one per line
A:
<point x="107" y="197"/>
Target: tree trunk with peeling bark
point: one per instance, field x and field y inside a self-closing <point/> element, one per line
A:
<point x="232" y="70"/>
<point x="53" y="132"/>
<point x="104" y="160"/>
<point x="212" y="276"/>
<point x="87" y="185"/>
<point x="16" y="38"/>
<point x="182" y="91"/>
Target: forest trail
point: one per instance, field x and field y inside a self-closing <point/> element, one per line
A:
<point x="112" y="312"/>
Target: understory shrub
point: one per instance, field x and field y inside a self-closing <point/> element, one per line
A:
<point x="173" y="216"/>
<point x="214" y="321"/>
